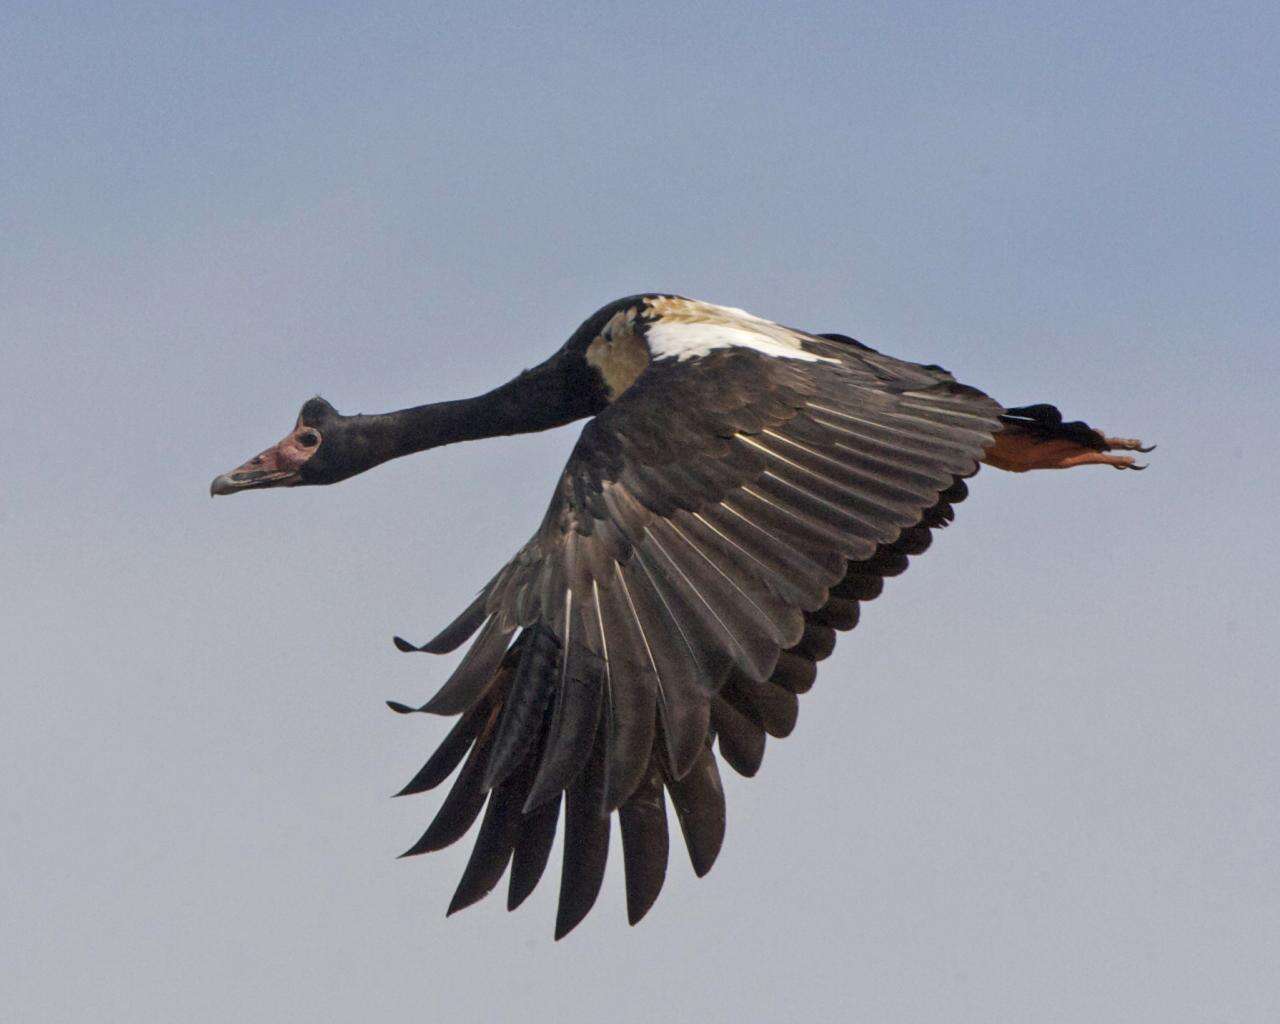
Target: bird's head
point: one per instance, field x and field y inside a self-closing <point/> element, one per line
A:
<point x="322" y="448"/>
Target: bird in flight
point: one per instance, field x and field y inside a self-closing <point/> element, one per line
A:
<point x="738" y="490"/>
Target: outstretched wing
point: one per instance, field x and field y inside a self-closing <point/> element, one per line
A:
<point x="712" y="530"/>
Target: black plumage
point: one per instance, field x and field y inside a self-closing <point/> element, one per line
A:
<point x="709" y="537"/>
<point x="643" y="821"/>
<point x="740" y="490"/>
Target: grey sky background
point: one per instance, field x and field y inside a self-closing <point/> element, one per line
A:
<point x="1038" y="783"/>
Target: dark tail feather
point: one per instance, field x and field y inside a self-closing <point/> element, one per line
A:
<point x="1045" y="422"/>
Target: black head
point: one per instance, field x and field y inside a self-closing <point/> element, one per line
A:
<point x="322" y="448"/>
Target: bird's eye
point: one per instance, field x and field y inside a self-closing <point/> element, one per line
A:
<point x="308" y="440"/>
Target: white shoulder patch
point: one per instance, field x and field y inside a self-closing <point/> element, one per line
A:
<point x="685" y="329"/>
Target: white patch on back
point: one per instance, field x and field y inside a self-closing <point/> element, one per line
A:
<point x="686" y="329"/>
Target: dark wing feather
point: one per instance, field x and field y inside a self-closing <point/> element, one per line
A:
<point x="532" y="686"/>
<point x="586" y="842"/>
<point x="714" y="528"/>
<point x="740" y="733"/>
<point x="533" y="849"/>
<point x="464" y="801"/>
<point x="450" y="753"/>
<point x="699" y="802"/>
<point x="644" y="841"/>
<point x="499" y="831"/>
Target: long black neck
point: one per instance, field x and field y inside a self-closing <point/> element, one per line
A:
<point x="559" y="391"/>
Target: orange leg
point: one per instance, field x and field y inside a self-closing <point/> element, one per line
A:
<point x="1019" y="449"/>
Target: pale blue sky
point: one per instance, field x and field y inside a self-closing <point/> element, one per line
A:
<point x="1041" y="780"/>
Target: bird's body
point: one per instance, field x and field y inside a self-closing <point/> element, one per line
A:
<point x="740" y="488"/>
